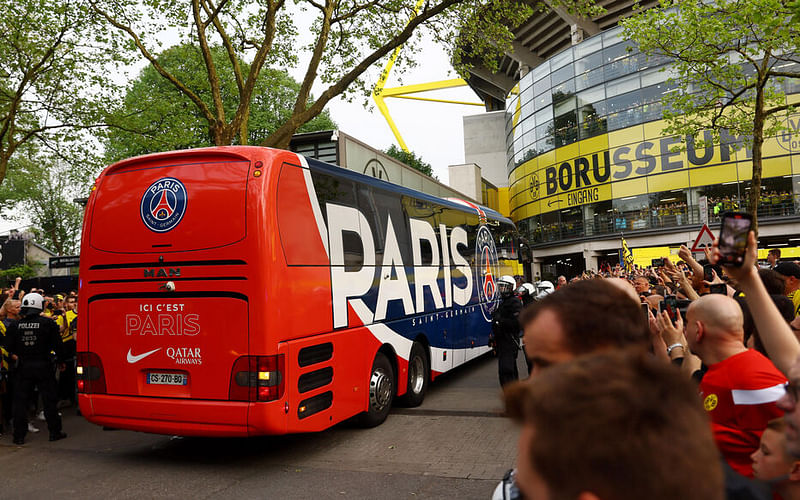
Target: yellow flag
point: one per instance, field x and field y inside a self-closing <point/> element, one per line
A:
<point x="627" y="256"/>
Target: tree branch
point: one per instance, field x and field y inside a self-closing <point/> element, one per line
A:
<point x="29" y="76"/>
<point x="778" y="109"/>
<point x="211" y="69"/>
<point x="226" y="42"/>
<point x="161" y="70"/>
<point x="258" y="61"/>
<point x="316" y="5"/>
<point x="355" y="12"/>
<point x="316" y="57"/>
<point x="213" y="16"/>
<point x="284" y="132"/>
<point x="784" y="74"/>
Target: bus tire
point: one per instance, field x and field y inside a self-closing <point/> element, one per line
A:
<point x="419" y="375"/>
<point x="381" y="392"/>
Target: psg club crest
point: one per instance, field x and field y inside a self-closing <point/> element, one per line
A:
<point x="163" y="204"/>
<point x="487" y="269"/>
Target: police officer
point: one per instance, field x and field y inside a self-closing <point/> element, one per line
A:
<point x="31" y="344"/>
<point x="505" y="329"/>
<point x="527" y="293"/>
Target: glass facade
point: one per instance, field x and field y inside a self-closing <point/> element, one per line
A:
<point x="586" y="155"/>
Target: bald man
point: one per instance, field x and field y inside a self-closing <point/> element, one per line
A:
<point x="741" y="386"/>
<point x="626" y="286"/>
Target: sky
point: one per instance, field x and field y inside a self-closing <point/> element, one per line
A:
<point x="434" y="131"/>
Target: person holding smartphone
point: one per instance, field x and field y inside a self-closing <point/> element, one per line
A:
<point x="779" y="341"/>
<point x="790" y="272"/>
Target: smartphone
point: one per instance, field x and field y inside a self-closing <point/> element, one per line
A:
<point x="708" y="272"/>
<point x="720" y="288"/>
<point x="646" y="310"/>
<point x="733" y="237"/>
<point x="669" y="304"/>
<point x="16" y="295"/>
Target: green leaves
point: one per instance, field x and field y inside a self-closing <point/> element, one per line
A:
<point x="155" y="116"/>
<point x="38" y="190"/>
<point x="726" y="54"/>
<point x="410" y="159"/>
<point x="342" y="41"/>
<point x="730" y="60"/>
<point x="53" y="74"/>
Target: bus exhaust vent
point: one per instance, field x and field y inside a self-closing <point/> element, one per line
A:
<point x="316" y="379"/>
<point x="314" y="404"/>
<point x="315" y="354"/>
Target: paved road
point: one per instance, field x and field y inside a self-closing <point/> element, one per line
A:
<point x="455" y="445"/>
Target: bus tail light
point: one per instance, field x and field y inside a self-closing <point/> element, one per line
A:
<point x="257" y="378"/>
<point x="89" y="374"/>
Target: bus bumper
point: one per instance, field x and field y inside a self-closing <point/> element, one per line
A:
<point x="182" y="417"/>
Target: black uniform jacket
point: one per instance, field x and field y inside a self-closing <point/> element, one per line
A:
<point x="34" y="338"/>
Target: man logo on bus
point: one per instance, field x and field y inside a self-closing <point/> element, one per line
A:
<point x="163" y="204"/>
<point x="486" y="268"/>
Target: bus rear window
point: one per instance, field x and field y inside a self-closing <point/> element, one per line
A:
<point x="170" y="207"/>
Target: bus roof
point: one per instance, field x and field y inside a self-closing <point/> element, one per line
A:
<point x="243" y="152"/>
<point x="388" y="186"/>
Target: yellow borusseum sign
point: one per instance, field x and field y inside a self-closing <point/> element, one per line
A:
<point x="640" y="160"/>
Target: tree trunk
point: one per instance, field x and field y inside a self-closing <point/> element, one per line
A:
<point x="243" y="129"/>
<point x="3" y="167"/>
<point x="281" y="138"/>
<point x="221" y="134"/>
<point x="758" y="141"/>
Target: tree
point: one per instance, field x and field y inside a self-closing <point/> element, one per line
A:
<point x="52" y="78"/>
<point x="730" y="58"/>
<point x="344" y="40"/>
<point x="24" y="271"/>
<point x="156" y="116"/>
<point x="38" y="189"/>
<point x="410" y="159"/>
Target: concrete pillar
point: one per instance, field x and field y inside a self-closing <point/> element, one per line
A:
<point x="536" y="268"/>
<point x="576" y="34"/>
<point x="590" y="258"/>
<point x="466" y="178"/>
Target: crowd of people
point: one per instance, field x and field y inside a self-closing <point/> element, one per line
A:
<point x="770" y="203"/>
<point x="675" y="381"/>
<point x="37" y="359"/>
<point x="679" y="380"/>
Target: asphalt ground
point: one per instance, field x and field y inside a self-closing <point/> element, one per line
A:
<point x="455" y="445"/>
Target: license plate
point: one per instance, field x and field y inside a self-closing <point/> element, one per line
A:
<point x="167" y="378"/>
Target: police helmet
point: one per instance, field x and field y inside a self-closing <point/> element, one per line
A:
<point x="545" y="288"/>
<point x="529" y="289"/>
<point x="33" y="301"/>
<point x="505" y="285"/>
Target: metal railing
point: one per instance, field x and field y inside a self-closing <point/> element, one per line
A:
<point x="623" y="222"/>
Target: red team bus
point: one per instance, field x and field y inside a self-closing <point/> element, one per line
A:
<point x="240" y="291"/>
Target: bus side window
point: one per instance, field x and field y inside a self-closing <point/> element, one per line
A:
<point x="378" y="206"/>
<point x="508" y="246"/>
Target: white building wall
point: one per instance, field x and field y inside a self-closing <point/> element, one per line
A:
<point x="485" y="145"/>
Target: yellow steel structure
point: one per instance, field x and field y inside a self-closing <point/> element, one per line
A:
<point x="379" y="93"/>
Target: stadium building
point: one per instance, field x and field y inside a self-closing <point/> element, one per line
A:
<point x="586" y="159"/>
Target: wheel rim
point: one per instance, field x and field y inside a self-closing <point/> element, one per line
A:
<point x="380" y="390"/>
<point x="416" y="375"/>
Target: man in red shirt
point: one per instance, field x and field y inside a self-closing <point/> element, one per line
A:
<point x="741" y="386"/>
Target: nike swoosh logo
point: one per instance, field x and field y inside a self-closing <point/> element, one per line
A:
<point x="135" y="359"/>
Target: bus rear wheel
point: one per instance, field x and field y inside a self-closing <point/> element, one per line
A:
<point x="419" y="375"/>
<point x="381" y="392"/>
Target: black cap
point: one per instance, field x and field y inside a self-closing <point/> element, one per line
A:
<point x="788" y="269"/>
